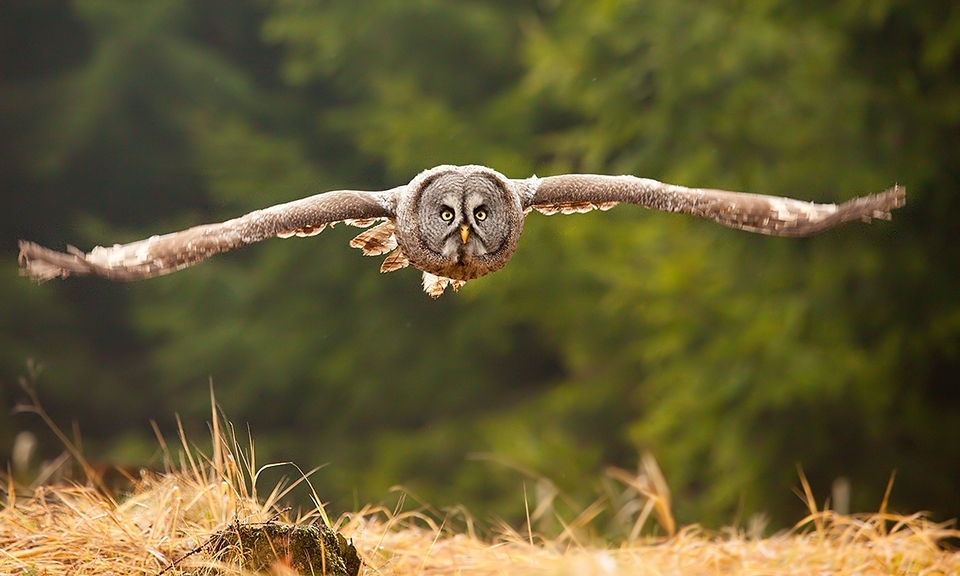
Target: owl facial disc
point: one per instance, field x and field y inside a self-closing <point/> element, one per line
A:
<point x="467" y="220"/>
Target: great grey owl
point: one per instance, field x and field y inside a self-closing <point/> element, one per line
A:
<point x="454" y="223"/>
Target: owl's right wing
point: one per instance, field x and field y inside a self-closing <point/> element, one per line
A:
<point x="772" y="215"/>
<point x="159" y="255"/>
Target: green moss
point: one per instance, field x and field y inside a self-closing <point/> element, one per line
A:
<point x="306" y="549"/>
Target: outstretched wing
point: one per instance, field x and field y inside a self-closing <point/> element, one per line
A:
<point x="752" y="212"/>
<point x="159" y="255"/>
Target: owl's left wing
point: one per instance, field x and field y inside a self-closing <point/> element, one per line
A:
<point x="159" y="255"/>
<point x="772" y="215"/>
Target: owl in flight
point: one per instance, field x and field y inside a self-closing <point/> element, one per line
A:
<point x="453" y="223"/>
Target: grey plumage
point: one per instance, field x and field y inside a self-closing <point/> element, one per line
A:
<point x="454" y="223"/>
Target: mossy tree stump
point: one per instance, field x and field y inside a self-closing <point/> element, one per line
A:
<point x="306" y="549"/>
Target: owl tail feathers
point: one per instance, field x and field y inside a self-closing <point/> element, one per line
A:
<point x="42" y="264"/>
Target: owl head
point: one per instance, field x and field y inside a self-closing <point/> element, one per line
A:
<point x="459" y="222"/>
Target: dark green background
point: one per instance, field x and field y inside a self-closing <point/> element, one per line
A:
<point x="731" y="357"/>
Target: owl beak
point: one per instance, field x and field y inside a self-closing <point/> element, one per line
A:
<point x="464" y="232"/>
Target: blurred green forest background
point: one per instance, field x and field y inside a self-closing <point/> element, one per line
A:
<point x="731" y="357"/>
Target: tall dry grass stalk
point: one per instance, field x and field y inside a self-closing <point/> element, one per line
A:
<point x="82" y="529"/>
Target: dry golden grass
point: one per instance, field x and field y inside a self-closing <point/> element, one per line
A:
<point x="82" y="530"/>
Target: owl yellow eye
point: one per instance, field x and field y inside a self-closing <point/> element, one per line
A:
<point x="446" y="215"/>
<point x="480" y="214"/>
